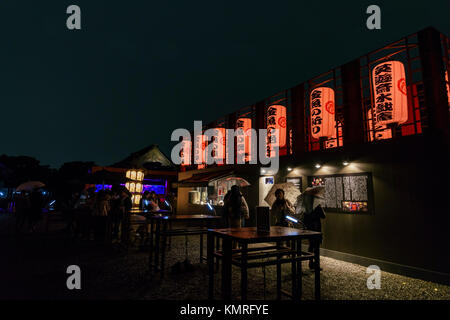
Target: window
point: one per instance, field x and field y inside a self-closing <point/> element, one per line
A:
<point x="405" y="51"/>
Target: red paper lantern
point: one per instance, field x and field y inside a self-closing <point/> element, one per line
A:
<point x="185" y="154"/>
<point x="200" y="146"/>
<point x="448" y="87"/>
<point x="244" y="140"/>
<point x="323" y="123"/>
<point x="276" y="119"/>
<point x="389" y="91"/>
<point x="218" y="143"/>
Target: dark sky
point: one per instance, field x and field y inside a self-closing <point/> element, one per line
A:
<point x="139" y="69"/>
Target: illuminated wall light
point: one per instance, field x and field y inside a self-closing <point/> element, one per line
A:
<point x="289" y="169"/>
<point x="317" y="165"/>
<point x="345" y="163"/>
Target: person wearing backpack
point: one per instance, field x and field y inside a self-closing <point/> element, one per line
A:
<point x="235" y="208"/>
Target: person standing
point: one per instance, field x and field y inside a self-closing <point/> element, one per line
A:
<point x="23" y="207"/>
<point x="154" y="202"/>
<point x="145" y="201"/>
<point x="313" y="213"/>
<point x="235" y="208"/>
<point x="100" y="213"/>
<point x="125" y="207"/>
<point x="35" y="212"/>
<point x="281" y="208"/>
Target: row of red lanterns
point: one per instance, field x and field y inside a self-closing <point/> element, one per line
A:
<point x="390" y="106"/>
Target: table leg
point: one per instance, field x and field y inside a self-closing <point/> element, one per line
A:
<point x="163" y="248"/>
<point x="294" y="272"/>
<point x="244" y="272"/>
<point x="150" y="258"/>
<point x="217" y="249"/>
<point x="201" y="247"/>
<point x="170" y="238"/>
<point x="299" y="270"/>
<point x="157" y="243"/>
<point x="210" y="258"/>
<point x="278" y="273"/>
<point x="317" y="270"/>
<point x="226" y="269"/>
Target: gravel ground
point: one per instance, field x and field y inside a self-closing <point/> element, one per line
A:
<point x="34" y="267"/>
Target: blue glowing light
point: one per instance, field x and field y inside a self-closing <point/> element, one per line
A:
<point x="292" y="219"/>
<point x="51" y="203"/>
<point x="210" y="206"/>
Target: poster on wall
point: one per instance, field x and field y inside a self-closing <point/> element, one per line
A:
<point x="350" y="193"/>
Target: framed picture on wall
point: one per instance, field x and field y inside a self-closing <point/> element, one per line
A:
<point x="297" y="181"/>
<point x="346" y="193"/>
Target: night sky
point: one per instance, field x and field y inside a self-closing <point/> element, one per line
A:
<point x="139" y="69"/>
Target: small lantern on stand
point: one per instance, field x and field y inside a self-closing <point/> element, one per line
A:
<point x="134" y="185"/>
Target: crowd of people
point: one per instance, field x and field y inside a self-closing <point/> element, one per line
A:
<point x="105" y="215"/>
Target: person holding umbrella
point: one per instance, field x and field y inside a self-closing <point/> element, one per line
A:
<point x="312" y="211"/>
<point x="281" y="208"/>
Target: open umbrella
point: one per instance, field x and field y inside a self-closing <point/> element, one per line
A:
<point x="291" y="192"/>
<point x="318" y="191"/>
<point x="241" y="182"/>
<point x="30" y="186"/>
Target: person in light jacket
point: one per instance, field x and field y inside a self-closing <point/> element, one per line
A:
<point x="281" y="208"/>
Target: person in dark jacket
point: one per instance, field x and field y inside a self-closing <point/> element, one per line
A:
<point x="37" y="203"/>
<point x="144" y="203"/>
<point x="313" y="213"/>
<point x="125" y="207"/>
<point x="235" y="208"/>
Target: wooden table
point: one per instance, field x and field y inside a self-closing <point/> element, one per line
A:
<point x="243" y="257"/>
<point x="160" y="222"/>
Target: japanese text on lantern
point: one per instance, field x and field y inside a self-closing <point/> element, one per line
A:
<point x="276" y="119"/>
<point x="390" y="99"/>
<point x="323" y="123"/>
<point x="244" y="138"/>
<point x="185" y="153"/>
<point x="218" y="142"/>
<point x="199" y="153"/>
